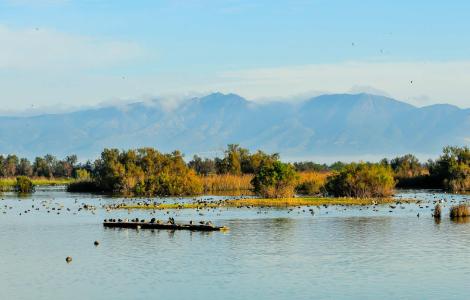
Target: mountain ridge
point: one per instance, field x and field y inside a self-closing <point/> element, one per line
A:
<point x="326" y="125"/>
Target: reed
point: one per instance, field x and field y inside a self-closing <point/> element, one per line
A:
<point x="226" y="182"/>
<point x="459" y="211"/>
<point x="311" y="183"/>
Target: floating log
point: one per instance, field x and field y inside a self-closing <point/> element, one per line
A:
<point x="167" y="226"/>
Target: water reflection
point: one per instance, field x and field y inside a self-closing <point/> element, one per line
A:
<point x="461" y="220"/>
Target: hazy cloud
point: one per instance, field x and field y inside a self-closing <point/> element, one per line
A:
<point x="46" y="49"/>
<point x="435" y="82"/>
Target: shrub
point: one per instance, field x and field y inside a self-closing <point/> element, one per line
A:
<point x="275" y="179"/>
<point x="24" y="185"/>
<point x="82" y="174"/>
<point x="458" y="211"/>
<point x="362" y="180"/>
<point x="83" y="186"/>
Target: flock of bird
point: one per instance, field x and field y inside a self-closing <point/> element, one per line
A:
<point x="419" y="203"/>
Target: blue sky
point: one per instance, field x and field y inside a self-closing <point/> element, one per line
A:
<point x="63" y="53"/>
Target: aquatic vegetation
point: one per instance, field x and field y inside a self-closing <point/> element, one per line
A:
<point x="362" y="180"/>
<point x="306" y="201"/>
<point x="24" y="185"/>
<point x="437" y="211"/>
<point x="258" y="202"/>
<point x="458" y="211"/>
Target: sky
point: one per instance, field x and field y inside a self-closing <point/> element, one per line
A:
<point x="58" y="54"/>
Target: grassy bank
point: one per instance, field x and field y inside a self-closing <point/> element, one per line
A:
<point x="260" y="202"/>
<point x="7" y="184"/>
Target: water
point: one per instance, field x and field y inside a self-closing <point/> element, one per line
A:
<point x="352" y="253"/>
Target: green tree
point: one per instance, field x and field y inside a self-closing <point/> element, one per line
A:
<point x="407" y="166"/>
<point x="452" y="169"/>
<point x="362" y="180"/>
<point x="10" y="165"/>
<point x="145" y="172"/>
<point x="275" y="179"/>
<point x="202" y="166"/>
<point x="25" y="168"/>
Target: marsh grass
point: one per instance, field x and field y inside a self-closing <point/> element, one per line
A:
<point x="262" y="202"/>
<point x="311" y="183"/>
<point x="9" y="183"/>
<point x="459" y="211"/>
<point x="226" y="182"/>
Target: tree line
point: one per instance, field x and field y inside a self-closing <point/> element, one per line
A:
<point x="47" y="166"/>
<point x="146" y="171"/>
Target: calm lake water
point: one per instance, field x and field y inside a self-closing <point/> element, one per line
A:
<point x="352" y="253"/>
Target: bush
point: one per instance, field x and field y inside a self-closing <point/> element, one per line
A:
<point x="24" y="185"/>
<point x="362" y="180"/>
<point x="82" y="175"/>
<point x="459" y="211"/>
<point x="83" y="186"/>
<point x="275" y="179"/>
<point x="145" y="172"/>
<point x="452" y="169"/>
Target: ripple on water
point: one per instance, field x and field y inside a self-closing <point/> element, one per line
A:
<point x="276" y="254"/>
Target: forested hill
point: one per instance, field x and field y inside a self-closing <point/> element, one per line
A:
<point x="328" y="125"/>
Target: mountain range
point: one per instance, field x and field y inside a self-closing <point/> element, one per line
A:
<point x="333" y="125"/>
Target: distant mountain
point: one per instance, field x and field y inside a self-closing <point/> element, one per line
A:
<point x="330" y="125"/>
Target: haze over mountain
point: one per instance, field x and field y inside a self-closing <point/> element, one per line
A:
<point x="336" y="125"/>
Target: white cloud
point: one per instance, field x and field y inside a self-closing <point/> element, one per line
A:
<point x="421" y="83"/>
<point x="46" y="49"/>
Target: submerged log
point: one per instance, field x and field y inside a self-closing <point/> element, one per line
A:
<point x="167" y="226"/>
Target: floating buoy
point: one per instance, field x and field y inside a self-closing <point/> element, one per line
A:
<point x="96" y="243"/>
<point x="68" y="259"/>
